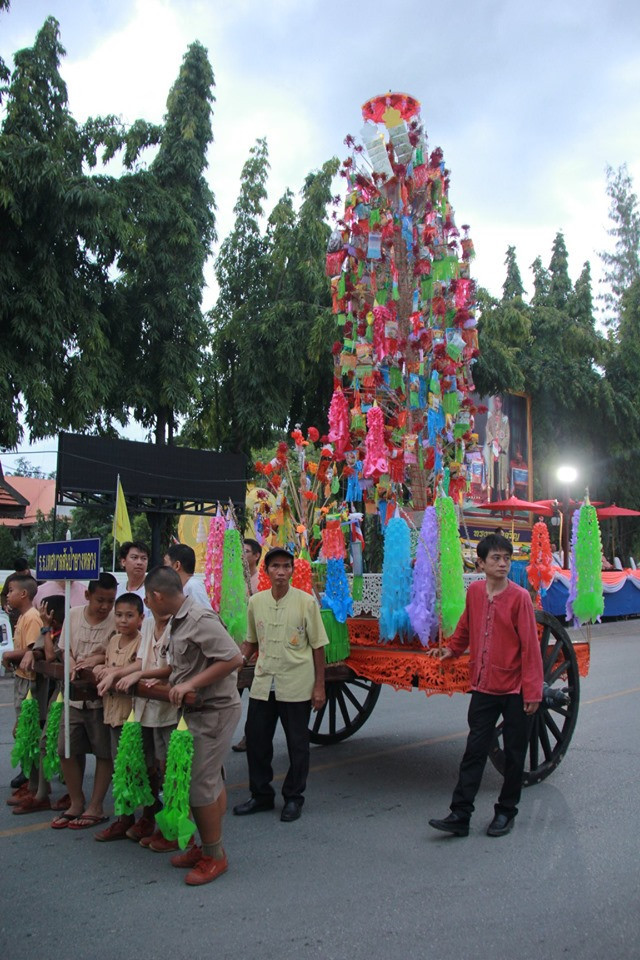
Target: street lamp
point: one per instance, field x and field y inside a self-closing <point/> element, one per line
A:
<point x="566" y="476"/>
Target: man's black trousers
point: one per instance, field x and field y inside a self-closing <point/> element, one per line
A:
<point x="485" y="710"/>
<point x="262" y="718"/>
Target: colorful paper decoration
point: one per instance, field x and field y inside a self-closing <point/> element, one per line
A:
<point x="233" y="595"/>
<point x="51" y="759"/>
<point x="214" y="559"/>
<point x="302" y="578"/>
<point x="336" y="596"/>
<point x="588" y="605"/>
<point x="396" y="582"/>
<point x="338" y="647"/>
<point x="573" y="573"/>
<point x="26" y="749"/>
<point x="452" y="595"/>
<point x="173" y="820"/>
<point x="423" y="609"/>
<point x="540" y="569"/>
<point x="130" y="784"/>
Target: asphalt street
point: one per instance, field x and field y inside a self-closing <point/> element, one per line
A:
<point x="361" y="876"/>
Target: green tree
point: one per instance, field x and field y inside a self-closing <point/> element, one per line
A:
<point x="560" y="283"/>
<point x="541" y="281"/>
<point x="622" y="266"/>
<point x="172" y="226"/>
<point x="503" y="332"/>
<point x="512" y="288"/>
<point x="8" y="549"/>
<point x="242" y="409"/>
<point x="56" y="367"/>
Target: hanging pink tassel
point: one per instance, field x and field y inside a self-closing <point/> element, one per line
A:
<point x="375" y="461"/>
<point x="339" y="422"/>
<point x="213" y="561"/>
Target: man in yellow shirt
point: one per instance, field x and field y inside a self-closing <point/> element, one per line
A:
<point x="286" y="626"/>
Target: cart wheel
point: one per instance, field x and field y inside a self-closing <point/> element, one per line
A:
<point x="349" y="704"/>
<point x="554" y="721"/>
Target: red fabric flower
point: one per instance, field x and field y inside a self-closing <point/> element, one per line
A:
<point x="313" y="435"/>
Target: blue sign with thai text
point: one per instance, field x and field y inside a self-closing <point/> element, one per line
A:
<point x="68" y="560"/>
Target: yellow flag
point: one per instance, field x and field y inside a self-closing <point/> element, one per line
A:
<point x="121" y="525"/>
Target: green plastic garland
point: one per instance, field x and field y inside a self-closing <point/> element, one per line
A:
<point x="589" y="602"/>
<point x="233" y="601"/>
<point x="26" y="750"/>
<point x="51" y="759"/>
<point x="131" y="787"/>
<point x="452" y="595"/>
<point x="338" y="647"/>
<point x="173" y="820"/>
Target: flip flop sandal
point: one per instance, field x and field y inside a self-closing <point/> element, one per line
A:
<point x="77" y="823"/>
<point x="63" y="821"/>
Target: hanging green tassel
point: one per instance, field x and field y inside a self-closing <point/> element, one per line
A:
<point x="131" y="787"/>
<point x="589" y="602"/>
<point x="26" y="749"/>
<point x="452" y="595"/>
<point x="339" y="647"/>
<point x="51" y="759"/>
<point x="173" y="820"/>
<point x="233" y="599"/>
<point x="357" y="587"/>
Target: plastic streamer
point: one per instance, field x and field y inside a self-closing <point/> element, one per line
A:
<point x="540" y="569"/>
<point x="131" y="788"/>
<point x="333" y="544"/>
<point x="336" y="596"/>
<point x="588" y="605"/>
<point x="375" y="461"/>
<point x="396" y="582"/>
<point x="233" y="596"/>
<point x="26" y="749"/>
<point x="213" y="561"/>
<point x="339" y="422"/>
<point x="263" y="578"/>
<point x="302" y="579"/>
<point x="452" y="596"/>
<point x="173" y="820"/>
<point x="338" y="647"/>
<point x="423" y="610"/>
<point x="573" y="579"/>
<point x="51" y="759"/>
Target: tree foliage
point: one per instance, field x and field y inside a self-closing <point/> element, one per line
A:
<point x="622" y="265"/>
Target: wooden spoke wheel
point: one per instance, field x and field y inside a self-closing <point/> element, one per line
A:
<point x="349" y="704"/>
<point x="553" y="724"/>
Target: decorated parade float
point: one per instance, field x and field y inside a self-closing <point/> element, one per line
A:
<point x="379" y="510"/>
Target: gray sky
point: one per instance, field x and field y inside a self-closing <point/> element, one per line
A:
<point x="529" y="101"/>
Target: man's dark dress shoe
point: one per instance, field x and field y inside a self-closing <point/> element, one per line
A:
<point x="500" y="826"/>
<point x="252" y="806"/>
<point x="454" y="824"/>
<point x="18" y="781"/>
<point x="290" y="811"/>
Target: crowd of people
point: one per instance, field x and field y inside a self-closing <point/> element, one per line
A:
<point x="159" y="626"/>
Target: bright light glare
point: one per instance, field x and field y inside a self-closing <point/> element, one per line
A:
<point x="567" y="474"/>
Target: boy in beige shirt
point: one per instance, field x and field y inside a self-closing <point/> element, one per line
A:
<point x="120" y="659"/>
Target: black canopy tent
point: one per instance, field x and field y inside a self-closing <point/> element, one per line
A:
<point x="157" y="480"/>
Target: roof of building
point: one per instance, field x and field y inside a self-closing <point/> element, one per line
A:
<point x="37" y="494"/>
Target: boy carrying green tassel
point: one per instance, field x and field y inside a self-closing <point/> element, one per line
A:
<point x="204" y="660"/>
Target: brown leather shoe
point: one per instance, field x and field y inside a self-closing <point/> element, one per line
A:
<point x="19" y="795"/>
<point x="117" y="831"/>
<point x="160" y="845"/>
<point x="144" y="827"/>
<point x="206" y="870"/>
<point x="30" y="804"/>
<point x="188" y="858"/>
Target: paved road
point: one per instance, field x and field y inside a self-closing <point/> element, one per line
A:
<point x="361" y="876"/>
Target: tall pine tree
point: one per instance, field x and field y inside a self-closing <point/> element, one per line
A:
<point x="622" y="266"/>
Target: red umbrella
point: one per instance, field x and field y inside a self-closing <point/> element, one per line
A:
<point x="513" y="504"/>
<point x="613" y="511"/>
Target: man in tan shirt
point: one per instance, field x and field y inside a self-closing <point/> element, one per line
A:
<point x="285" y="625"/>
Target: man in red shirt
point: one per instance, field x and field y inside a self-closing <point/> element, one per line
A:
<point x="498" y="627"/>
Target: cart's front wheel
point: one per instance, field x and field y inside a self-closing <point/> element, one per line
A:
<point x="553" y="723"/>
<point x="349" y="704"/>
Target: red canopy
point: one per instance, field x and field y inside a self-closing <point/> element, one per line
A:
<point x="513" y="504"/>
<point x="614" y="511"/>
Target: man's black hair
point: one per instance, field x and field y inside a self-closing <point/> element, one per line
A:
<point x="20" y="564"/>
<point x="133" y="545"/>
<point x="183" y="554"/>
<point x="256" y="549"/>
<point x="163" y="580"/>
<point x="25" y="582"/>
<point x="106" y="581"/>
<point x="493" y="542"/>
<point x="132" y="599"/>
